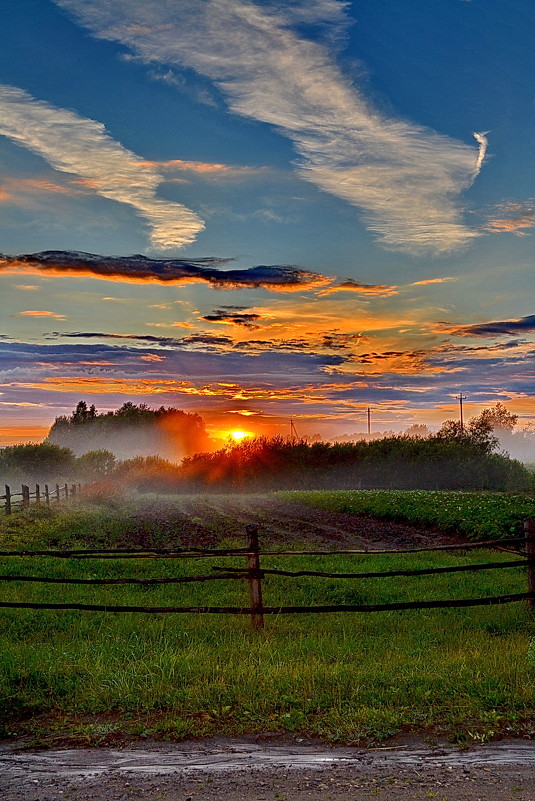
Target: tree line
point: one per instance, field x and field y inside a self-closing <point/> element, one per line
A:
<point x="455" y="457"/>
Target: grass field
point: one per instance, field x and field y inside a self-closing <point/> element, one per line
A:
<point x="96" y="677"/>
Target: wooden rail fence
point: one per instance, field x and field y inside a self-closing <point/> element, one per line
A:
<point x="254" y="573"/>
<point x="14" y="501"/>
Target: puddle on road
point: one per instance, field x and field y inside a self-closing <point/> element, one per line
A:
<point x="196" y="757"/>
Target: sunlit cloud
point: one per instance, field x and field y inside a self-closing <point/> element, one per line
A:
<point x="442" y="280"/>
<point x="362" y="289"/>
<point x="80" y="146"/>
<point x="514" y="225"/>
<point x="28" y="191"/>
<point x="406" y="178"/>
<point x="511" y="217"/>
<point x="33" y="313"/>
<point x="497" y="328"/>
<point x="142" y="269"/>
<point x="208" y="170"/>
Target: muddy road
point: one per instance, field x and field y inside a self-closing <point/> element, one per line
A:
<point x="260" y="770"/>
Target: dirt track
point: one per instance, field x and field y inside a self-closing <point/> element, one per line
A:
<point x="249" y="770"/>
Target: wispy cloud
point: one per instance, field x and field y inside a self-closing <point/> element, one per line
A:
<point x="497" y="328"/>
<point x="53" y="315"/>
<point x="362" y="289"/>
<point x="511" y="217"/>
<point x="425" y="281"/>
<point x="74" y="144"/>
<point x="142" y="269"/>
<point x="24" y="191"/>
<point x="208" y="170"/>
<point x="406" y="178"/>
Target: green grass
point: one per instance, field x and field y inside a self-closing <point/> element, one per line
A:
<point x="95" y="677"/>
<point x="476" y="515"/>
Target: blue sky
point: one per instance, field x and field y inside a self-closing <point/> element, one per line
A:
<point x="267" y="210"/>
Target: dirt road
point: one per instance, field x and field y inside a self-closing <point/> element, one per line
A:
<point x="256" y="770"/>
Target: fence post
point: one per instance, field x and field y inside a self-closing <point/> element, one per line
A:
<point x="57" y="493"/>
<point x="529" y="529"/>
<point x="73" y="490"/>
<point x="66" y="489"/>
<point x="8" y="500"/>
<point x="37" y="495"/>
<point x="25" y="495"/>
<point x="255" y="582"/>
<point x="47" y="495"/>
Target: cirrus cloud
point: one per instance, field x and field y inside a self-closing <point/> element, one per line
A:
<point x="74" y="144"/>
<point x="404" y="177"/>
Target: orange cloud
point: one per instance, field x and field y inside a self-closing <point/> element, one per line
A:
<point x="153" y="357"/>
<point x="17" y="190"/>
<point x="362" y="289"/>
<point x="511" y="225"/>
<point x="512" y="217"/>
<point x="40" y="314"/>
<point x="433" y="281"/>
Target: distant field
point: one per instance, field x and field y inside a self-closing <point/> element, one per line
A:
<point x="96" y="677"/>
<point x="475" y="515"/>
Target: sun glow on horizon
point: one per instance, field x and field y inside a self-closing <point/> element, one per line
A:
<point x="238" y="435"/>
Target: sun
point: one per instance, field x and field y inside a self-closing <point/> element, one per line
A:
<point x="237" y="435"/>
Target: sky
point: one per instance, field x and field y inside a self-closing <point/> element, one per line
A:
<point x="267" y="211"/>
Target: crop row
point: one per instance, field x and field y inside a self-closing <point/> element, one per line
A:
<point x="485" y="515"/>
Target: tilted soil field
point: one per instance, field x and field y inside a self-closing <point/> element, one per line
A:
<point x="203" y="520"/>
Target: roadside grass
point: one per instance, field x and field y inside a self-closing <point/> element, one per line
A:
<point x="356" y="678"/>
<point x="475" y="515"/>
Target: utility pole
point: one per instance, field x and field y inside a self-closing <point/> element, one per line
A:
<point x="293" y="431"/>
<point x="461" y="398"/>
<point x="369" y="412"/>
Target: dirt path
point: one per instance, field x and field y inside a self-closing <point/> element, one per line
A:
<point x="249" y="770"/>
<point x="205" y="519"/>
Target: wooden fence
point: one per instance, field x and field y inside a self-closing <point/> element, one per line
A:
<point x="254" y="573"/>
<point x="14" y="501"/>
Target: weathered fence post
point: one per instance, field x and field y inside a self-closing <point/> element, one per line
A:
<point x="37" y="495"/>
<point x="8" y="500"/>
<point x="57" y="493"/>
<point x="529" y="529"/>
<point x="25" y="495"/>
<point x="73" y="490"/>
<point x="47" y="495"/>
<point x="66" y="489"/>
<point x="255" y="582"/>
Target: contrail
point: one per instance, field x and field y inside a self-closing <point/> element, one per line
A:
<point x="483" y="143"/>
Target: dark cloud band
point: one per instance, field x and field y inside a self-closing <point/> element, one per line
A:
<point x="139" y="268"/>
<point x="497" y="328"/>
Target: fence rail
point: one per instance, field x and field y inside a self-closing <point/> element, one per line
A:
<point x="40" y="495"/>
<point x="254" y="573"/>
